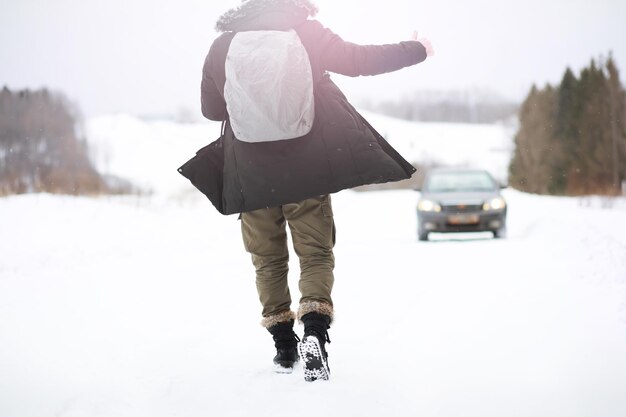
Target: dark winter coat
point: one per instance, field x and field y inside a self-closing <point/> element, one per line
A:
<point x="341" y="151"/>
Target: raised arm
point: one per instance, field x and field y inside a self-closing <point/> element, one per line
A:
<point x="347" y="58"/>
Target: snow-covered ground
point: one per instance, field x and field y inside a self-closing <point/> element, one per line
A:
<point x="146" y="306"/>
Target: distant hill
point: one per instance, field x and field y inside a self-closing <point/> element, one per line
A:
<point x="149" y="152"/>
<point x="472" y="106"/>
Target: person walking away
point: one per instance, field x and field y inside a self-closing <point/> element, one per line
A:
<point x="291" y="139"/>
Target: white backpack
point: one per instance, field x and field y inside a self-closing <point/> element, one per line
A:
<point x="269" y="86"/>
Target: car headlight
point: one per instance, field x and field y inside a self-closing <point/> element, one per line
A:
<point x="428" y="205"/>
<point x="497" y="203"/>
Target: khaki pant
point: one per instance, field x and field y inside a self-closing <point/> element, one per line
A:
<point x="313" y="236"/>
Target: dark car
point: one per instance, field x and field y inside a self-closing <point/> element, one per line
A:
<point x="460" y="200"/>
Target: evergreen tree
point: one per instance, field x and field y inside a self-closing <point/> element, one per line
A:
<point x="593" y="161"/>
<point x="618" y="124"/>
<point x="567" y="134"/>
<point x="532" y="167"/>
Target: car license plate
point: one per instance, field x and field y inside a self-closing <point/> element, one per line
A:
<point x="463" y="219"/>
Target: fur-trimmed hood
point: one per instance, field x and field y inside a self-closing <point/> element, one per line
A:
<point x="266" y="15"/>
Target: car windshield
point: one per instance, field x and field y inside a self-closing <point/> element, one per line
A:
<point x="460" y="181"/>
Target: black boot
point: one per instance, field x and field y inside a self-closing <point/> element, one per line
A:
<point x="286" y="342"/>
<point x="312" y="348"/>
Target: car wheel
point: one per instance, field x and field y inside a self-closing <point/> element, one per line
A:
<point x="422" y="236"/>
<point x="500" y="233"/>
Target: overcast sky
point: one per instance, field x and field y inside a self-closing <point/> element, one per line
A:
<point x="145" y="56"/>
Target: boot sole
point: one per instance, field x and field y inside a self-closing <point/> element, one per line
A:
<point x="314" y="364"/>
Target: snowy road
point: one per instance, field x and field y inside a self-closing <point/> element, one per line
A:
<point x="126" y="307"/>
<point x="146" y="307"/>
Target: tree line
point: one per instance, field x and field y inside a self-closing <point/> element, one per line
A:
<point x="42" y="148"/>
<point x="572" y="137"/>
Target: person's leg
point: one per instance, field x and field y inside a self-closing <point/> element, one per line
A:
<point x="265" y="238"/>
<point x="313" y="234"/>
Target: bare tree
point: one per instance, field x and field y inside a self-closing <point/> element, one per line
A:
<point x="42" y="147"/>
